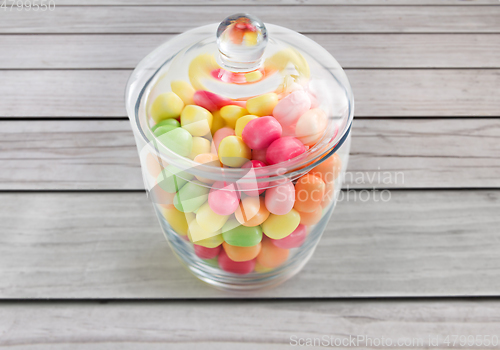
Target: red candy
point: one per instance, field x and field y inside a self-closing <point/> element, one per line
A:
<point x="284" y="149"/>
<point x="241" y="268"/>
<point x="206" y="253"/>
<point x="251" y="188"/>
<point x="293" y="240"/>
<point x="261" y="132"/>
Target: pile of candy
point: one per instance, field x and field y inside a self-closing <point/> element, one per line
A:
<point x="240" y="227"/>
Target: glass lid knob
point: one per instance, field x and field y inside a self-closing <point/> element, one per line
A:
<point x="241" y="39"/>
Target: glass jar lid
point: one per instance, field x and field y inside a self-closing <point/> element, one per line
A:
<point x="233" y="62"/>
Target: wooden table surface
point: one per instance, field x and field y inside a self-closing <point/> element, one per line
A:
<point x="83" y="264"/>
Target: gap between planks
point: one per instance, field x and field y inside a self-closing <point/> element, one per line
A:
<point x="220" y="325"/>
<point x="102" y="155"/>
<point x="386" y="93"/>
<point x="109" y="245"/>
<point x="306" y="19"/>
<point x="360" y="51"/>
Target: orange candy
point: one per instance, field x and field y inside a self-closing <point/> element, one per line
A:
<point x="162" y="197"/>
<point x="208" y="159"/>
<point x="241" y="253"/>
<point x="252" y="211"/>
<point x="153" y="165"/>
<point x="309" y="191"/>
<point x="271" y="256"/>
<point x="329" y="193"/>
<point x="311" y="218"/>
<point x="329" y="170"/>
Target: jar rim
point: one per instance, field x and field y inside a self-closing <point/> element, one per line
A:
<point x="290" y="169"/>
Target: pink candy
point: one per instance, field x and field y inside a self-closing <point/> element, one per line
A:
<point x="210" y="101"/>
<point x="206" y="253"/>
<point x="220" y="134"/>
<point x="261" y="132"/>
<point x="229" y="265"/>
<point x="223" y="198"/>
<point x="293" y="240"/>
<point x="213" y="102"/>
<point x="289" y="110"/>
<point x="259" y="154"/>
<point x="284" y="149"/>
<point x="250" y="188"/>
<point x="280" y="199"/>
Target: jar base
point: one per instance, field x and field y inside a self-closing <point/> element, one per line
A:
<point x="226" y="281"/>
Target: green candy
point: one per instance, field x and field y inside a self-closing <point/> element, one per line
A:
<point x="178" y="140"/>
<point x="241" y="236"/>
<point x="163" y="130"/>
<point x="166" y="122"/>
<point x="191" y="197"/>
<point x="172" y="179"/>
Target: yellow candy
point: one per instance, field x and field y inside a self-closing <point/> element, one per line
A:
<point x="200" y="68"/>
<point x="165" y="106"/>
<point x="209" y="220"/>
<point x="200" y="146"/>
<point x="197" y="120"/>
<point x="280" y="226"/>
<point x="242" y="122"/>
<point x="177" y="220"/>
<point x="196" y="233"/>
<point x="231" y="114"/>
<point x="262" y="105"/>
<point x="211" y="242"/>
<point x="253" y="76"/>
<point x="218" y="122"/>
<point x="184" y="90"/>
<point x="261" y="269"/>
<point x="233" y="151"/>
<point x="280" y="60"/>
<point x="250" y="38"/>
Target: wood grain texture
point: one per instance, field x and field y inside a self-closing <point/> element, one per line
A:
<point x="311" y="19"/>
<point x="378" y="93"/>
<point x="109" y="245"/>
<point x="278" y="2"/>
<point x="102" y="154"/>
<point x="241" y="324"/>
<point x="83" y="51"/>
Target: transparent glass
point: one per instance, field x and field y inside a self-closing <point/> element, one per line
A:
<point x="168" y="174"/>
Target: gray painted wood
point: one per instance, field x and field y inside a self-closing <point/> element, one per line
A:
<point x="279" y="2"/>
<point x="351" y="50"/>
<point x="242" y="325"/>
<point x="102" y="154"/>
<point x="109" y="245"/>
<point x="378" y="93"/>
<point x="312" y="19"/>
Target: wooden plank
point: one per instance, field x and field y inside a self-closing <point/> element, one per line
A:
<point x="378" y="93"/>
<point x="109" y="245"/>
<point x="277" y="2"/>
<point x="351" y="50"/>
<point x="102" y="154"/>
<point x="245" y="325"/>
<point x="312" y="19"/>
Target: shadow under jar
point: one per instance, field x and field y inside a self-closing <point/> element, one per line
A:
<point x="243" y="132"/>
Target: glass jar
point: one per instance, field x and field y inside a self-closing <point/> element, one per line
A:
<point x="243" y="132"/>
